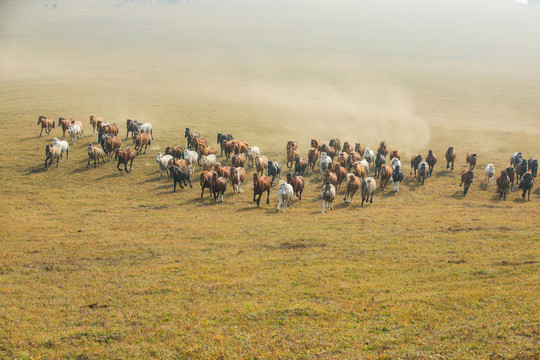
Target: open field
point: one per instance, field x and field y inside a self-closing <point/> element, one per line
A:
<point x="103" y="264"/>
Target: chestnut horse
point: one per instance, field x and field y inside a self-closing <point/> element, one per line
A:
<point x="297" y="182"/>
<point x="46" y="124"/>
<point x="261" y="184"/>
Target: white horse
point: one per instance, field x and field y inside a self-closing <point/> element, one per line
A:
<point x="369" y="156"/>
<point x="191" y="158"/>
<point x="285" y="194"/>
<point x="423" y="170"/>
<point x="163" y="162"/>
<point x="146" y="128"/>
<point x="74" y="130"/>
<point x="395" y="162"/>
<point x="252" y="152"/>
<point x="208" y="162"/>
<point x="365" y="164"/>
<point x="64" y="145"/>
<point x="328" y="195"/>
<point x="490" y="172"/>
<point x="324" y="164"/>
<point x="369" y="185"/>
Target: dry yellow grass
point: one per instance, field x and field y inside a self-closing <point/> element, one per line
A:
<point x="103" y="264"/>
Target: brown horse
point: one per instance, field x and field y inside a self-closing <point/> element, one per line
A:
<point x="503" y="183"/>
<point x="336" y="144"/>
<point x="241" y="147"/>
<point x="353" y="157"/>
<point x="297" y="182"/>
<point x="353" y="183"/>
<point x="292" y="144"/>
<point x="223" y="171"/>
<point x="261" y="164"/>
<point x="360" y="148"/>
<point x="341" y="173"/>
<point x="111" y="144"/>
<point x="261" y="184"/>
<point x="330" y="177"/>
<point x="386" y="175"/>
<point x="347" y="147"/>
<point x="467" y="179"/>
<point x="395" y="154"/>
<point x="206" y="181"/>
<point x="292" y="154"/>
<point x="415" y="161"/>
<point x="46" y="124"/>
<point x="124" y="156"/>
<point x="471" y="160"/>
<point x="95" y="153"/>
<point x="177" y="151"/>
<point x="141" y="140"/>
<point x="313" y="155"/>
<point x="195" y="142"/>
<point x="177" y="162"/>
<point x="106" y="128"/>
<point x="238" y="175"/>
<point x="431" y="160"/>
<point x="205" y="150"/>
<point x="94" y="121"/>
<point x="219" y="185"/>
<point x="63" y="123"/>
<point x="359" y="170"/>
<point x="450" y="157"/>
<point x="316" y="144"/>
<point x="238" y="160"/>
<point x="510" y="171"/>
<point x="383" y="148"/>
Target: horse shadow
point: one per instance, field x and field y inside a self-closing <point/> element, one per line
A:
<point x="458" y="195"/>
<point x="520" y="199"/>
<point x="483" y="186"/>
<point x="444" y="173"/>
<point x="110" y="176"/>
<point x="249" y="208"/>
<point x="80" y="170"/>
<point x="37" y="170"/>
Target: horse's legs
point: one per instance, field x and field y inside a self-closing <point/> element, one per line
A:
<point x="279" y="204"/>
<point x="174" y="189"/>
<point x="118" y="166"/>
<point x="88" y="164"/>
<point x="323" y="206"/>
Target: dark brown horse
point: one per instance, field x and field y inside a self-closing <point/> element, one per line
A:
<point x="450" y="157"/>
<point x="219" y="185"/>
<point x="124" y="156"/>
<point x="63" y="124"/>
<point x="297" y="182"/>
<point x="466" y="179"/>
<point x="261" y="184"/>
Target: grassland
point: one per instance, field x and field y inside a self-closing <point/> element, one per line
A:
<point x="103" y="264"/>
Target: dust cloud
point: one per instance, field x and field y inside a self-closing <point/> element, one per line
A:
<point x="359" y="70"/>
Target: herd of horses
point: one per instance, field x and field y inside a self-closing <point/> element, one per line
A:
<point x="338" y="163"/>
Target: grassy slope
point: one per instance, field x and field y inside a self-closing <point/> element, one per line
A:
<point x="424" y="272"/>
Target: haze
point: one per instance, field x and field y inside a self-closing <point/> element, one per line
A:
<point x="402" y="71"/>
